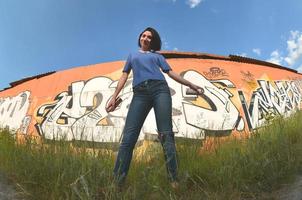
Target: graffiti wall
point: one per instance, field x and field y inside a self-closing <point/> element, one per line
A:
<point x="240" y="95"/>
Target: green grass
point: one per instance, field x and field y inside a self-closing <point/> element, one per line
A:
<point x="235" y="169"/>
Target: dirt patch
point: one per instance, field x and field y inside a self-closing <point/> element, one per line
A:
<point x="7" y="190"/>
<point x="291" y="191"/>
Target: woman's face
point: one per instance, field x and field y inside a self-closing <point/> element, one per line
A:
<point x="145" y="40"/>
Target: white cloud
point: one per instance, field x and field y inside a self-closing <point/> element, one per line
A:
<point x="257" y="51"/>
<point x="193" y="3"/>
<point x="242" y="55"/>
<point x="165" y="44"/>
<point x="294" y="48"/>
<point x="276" y="58"/>
<point x="175" y="49"/>
<point x="294" y="52"/>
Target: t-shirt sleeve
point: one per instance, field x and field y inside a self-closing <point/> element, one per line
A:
<point x="128" y="65"/>
<point x="165" y="67"/>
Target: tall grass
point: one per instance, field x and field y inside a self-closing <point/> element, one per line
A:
<point x="234" y="169"/>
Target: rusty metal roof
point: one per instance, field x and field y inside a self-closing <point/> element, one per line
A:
<point x="259" y="62"/>
<point x="234" y="58"/>
<point x="15" y="83"/>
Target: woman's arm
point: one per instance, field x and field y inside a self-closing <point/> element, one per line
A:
<point x="183" y="81"/>
<point x="111" y="105"/>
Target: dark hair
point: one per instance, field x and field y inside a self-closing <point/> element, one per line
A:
<point x="155" y="41"/>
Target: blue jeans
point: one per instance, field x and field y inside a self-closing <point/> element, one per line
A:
<point x="148" y="94"/>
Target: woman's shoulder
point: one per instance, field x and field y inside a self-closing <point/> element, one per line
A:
<point x="134" y="53"/>
<point x="157" y="53"/>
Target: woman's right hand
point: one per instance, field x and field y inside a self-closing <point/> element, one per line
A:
<point x="111" y="105"/>
<point x="115" y="99"/>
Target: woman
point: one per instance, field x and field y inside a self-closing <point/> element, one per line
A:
<point x="150" y="91"/>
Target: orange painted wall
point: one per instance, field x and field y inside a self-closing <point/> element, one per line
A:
<point x="212" y="72"/>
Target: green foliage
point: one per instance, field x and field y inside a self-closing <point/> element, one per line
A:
<point x="235" y="169"/>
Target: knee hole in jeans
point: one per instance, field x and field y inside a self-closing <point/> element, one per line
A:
<point x="162" y="135"/>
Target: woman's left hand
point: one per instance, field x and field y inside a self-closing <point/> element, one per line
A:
<point x="197" y="88"/>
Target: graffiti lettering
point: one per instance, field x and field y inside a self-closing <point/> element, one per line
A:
<point x="80" y="113"/>
<point x="13" y="110"/>
<point x="24" y="126"/>
<point x="222" y="114"/>
<point x="269" y="100"/>
<point x="214" y="72"/>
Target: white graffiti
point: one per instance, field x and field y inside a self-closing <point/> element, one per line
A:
<point x="282" y="98"/>
<point x="24" y="125"/>
<point x="80" y="113"/>
<point x="13" y="110"/>
<point x="223" y="115"/>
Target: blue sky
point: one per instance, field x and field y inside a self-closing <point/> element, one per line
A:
<point x="38" y="36"/>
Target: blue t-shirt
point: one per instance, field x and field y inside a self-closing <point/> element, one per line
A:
<point x="146" y="66"/>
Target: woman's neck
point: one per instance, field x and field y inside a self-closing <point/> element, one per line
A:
<point x="144" y="51"/>
<point x="144" y="48"/>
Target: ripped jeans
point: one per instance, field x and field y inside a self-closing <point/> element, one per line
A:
<point x="148" y="94"/>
